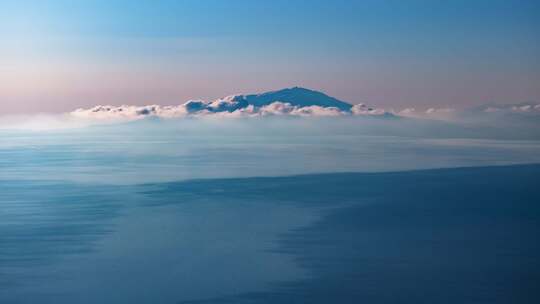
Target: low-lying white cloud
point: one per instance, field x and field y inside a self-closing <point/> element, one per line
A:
<point x="295" y="101"/>
<point x="230" y="108"/>
<point x="219" y="108"/>
<point x="479" y="113"/>
<point x="362" y="109"/>
<point x="301" y="103"/>
<point x="431" y="113"/>
<point x="529" y="108"/>
<point x="126" y="112"/>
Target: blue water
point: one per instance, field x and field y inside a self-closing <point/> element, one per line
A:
<point x="151" y="151"/>
<point x="169" y="215"/>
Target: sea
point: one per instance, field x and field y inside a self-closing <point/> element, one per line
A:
<point x="281" y="211"/>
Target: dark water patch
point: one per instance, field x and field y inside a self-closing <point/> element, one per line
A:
<point x="440" y="236"/>
<point x="436" y="236"/>
<point x="344" y="188"/>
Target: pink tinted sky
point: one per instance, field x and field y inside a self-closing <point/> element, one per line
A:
<point x="59" y="55"/>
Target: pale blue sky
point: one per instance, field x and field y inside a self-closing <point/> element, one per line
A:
<point x="60" y="55"/>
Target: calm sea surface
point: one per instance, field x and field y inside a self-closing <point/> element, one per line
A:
<point x="112" y="215"/>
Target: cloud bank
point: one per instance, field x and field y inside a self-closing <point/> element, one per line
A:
<point x="229" y="108"/>
<point x="204" y="109"/>
<point x="298" y="102"/>
<point x="492" y="119"/>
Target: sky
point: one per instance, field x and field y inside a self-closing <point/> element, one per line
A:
<point x="57" y="56"/>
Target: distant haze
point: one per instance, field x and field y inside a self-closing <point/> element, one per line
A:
<point x="59" y="55"/>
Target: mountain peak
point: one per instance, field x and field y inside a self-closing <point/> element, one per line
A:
<point x="296" y="96"/>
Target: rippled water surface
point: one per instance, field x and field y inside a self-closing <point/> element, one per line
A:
<point x="185" y="215"/>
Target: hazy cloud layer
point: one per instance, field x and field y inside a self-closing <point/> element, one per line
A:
<point x="231" y="108"/>
<point x="219" y="108"/>
<point x="511" y="121"/>
<point x="288" y="102"/>
<point x="294" y="101"/>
